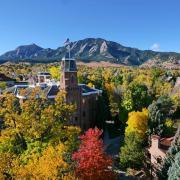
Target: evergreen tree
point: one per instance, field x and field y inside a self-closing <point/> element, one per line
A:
<point x="159" y="111"/>
<point x="170" y="158"/>
<point x="174" y="170"/>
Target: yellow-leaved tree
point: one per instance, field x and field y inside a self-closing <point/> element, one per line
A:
<point x="55" y="72"/>
<point x="51" y="165"/>
<point x="137" y="122"/>
<point x="35" y="140"/>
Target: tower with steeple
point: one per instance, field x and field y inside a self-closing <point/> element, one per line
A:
<point x="69" y="84"/>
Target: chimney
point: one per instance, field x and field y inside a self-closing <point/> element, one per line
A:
<point x="155" y="141"/>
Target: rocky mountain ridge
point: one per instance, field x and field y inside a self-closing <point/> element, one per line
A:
<point x="92" y="49"/>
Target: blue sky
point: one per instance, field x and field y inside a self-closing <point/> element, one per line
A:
<point x="145" y="24"/>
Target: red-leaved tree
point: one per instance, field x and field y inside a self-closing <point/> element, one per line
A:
<point x="92" y="161"/>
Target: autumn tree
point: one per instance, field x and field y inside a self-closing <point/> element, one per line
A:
<point x="92" y="162"/>
<point x="176" y="100"/>
<point x="3" y="85"/>
<point x="131" y="153"/>
<point x="33" y="130"/>
<point x="55" y="72"/>
<point x="136" y="97"/>
<point x="50" y="165"/>
<point x="6" y="165"/>
<point x="159" y="111"/>
<point x="138" y="123"/>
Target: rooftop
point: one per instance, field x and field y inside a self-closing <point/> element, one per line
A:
<point x="47" y="90"/>
<point x="165" y="143"/>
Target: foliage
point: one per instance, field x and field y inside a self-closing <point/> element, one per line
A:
<point x="159" y="111"/>
<point x="31" y="129"/>
<point x="92" y="162"/>
<point x="176" y="100"/>
<point x="50" y="165"/>
<point x="169" y="128"/>
<point x="170" y="158"/>
<point x="55" y="72"/>
<point x="6" y="165"/>
<point x="138" y="123"/>
<point x="35" y="135"/>
<point x="174" y="170"/>
<point x="136" y="97"/>
<point x="131" y="154"/>
<point x="90" y="85"/>
<point x="3" y="85"/>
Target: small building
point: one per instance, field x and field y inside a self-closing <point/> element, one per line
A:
<point x="44" y="77"/>
<point x="157" y="151"/>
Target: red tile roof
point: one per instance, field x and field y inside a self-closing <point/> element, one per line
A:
<point x="166" y="141"/>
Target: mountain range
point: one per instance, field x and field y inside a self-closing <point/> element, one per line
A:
<point x="92" y="49"/>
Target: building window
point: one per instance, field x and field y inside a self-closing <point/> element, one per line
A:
<point x="72" y="79"/>
<point x="72" y="65"/>
<point x="41" y="79"/>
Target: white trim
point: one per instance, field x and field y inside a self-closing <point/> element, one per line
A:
<point x="21" y="97"/>
<point x="66" y="59"/>
<point x="70" y="71"/>
<point x="51" y="97"/>
<point x="93" y="92"/>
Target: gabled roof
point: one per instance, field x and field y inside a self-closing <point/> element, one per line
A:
<point x="165" y="143"/>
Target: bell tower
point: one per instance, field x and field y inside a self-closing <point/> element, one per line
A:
<point x="68" y="74"/>
<point x="69" y="84"/>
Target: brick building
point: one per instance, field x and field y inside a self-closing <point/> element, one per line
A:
<point x="157" y="152"/>
<point x="83" y="96"/>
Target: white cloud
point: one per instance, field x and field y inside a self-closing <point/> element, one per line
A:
<point x="155" y="47"/>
